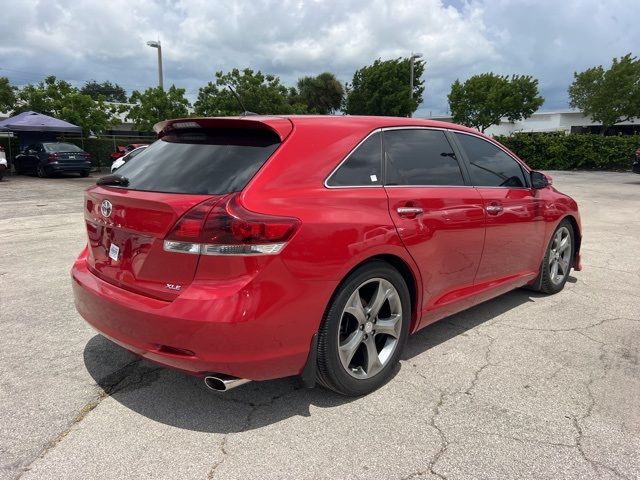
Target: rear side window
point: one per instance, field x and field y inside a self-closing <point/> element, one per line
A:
<point x="490" y="166"/>
<point x="420" y="157"/>
<point x="362" y="167"/>
<point x="201" y="162"/>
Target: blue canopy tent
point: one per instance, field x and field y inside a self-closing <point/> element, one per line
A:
<point x="35" y="127"/>
<point x="31" y="127"/>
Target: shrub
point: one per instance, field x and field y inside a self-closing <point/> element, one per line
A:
<point x="557" y="151"/>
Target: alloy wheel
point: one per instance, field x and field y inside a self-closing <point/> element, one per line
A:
<point x="560" y="255"/>
<point x="370" y="327"/>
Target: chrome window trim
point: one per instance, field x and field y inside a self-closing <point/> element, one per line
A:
<point x="382" y="185"/>
<point x="419" y="127"/>
<point x="326" y="180"/>
<point x="429" y="186"/>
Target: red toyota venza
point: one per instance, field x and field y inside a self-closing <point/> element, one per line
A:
<point x="255" y="248"/>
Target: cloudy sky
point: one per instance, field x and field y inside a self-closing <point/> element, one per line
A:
<point x="78" y="40"/>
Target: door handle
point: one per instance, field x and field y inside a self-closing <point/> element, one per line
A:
<point x="409" y="212"/>
<point x="493" y="209"/>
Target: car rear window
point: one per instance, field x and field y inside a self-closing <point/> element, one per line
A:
<point x="201" y="162"/>
<point x="61" y="147"/>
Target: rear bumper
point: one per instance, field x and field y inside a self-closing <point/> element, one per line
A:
<point x="74" y="167"/>
<point x="239" y="330"/>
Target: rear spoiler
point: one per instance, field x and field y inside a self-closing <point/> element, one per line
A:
<point x="281" y="126"/>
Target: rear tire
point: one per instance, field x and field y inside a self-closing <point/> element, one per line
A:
<point x="364" y="330"/>
<point x="41" y="172"/>
<point x="84" y="173"/>
<point x="558" y="260"/>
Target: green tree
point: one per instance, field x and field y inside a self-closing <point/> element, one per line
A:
<point x="608" y="96"/>
<point x="384" y="88"/>
<point x="484" y="99"/>
<point x="7" y="95"/>
<point x="62" y="100"/>
<point x="111" y="92"/>
<point x="260" y="93"/>
<point x="322" y="94"/>
<point x="155" y="105"/>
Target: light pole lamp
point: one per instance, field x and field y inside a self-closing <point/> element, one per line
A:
<point x="412" y="59"/>
<point x="156" y="44"/>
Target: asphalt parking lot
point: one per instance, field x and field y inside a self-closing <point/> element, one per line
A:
<point x="523" y="386"/>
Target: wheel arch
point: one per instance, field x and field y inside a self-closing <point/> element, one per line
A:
<point x="577" y="233"/>
<point x="407" y="274"/>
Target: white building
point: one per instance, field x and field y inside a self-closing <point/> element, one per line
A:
<point x="568" y="121"/>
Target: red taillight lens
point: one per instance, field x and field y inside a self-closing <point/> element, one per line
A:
<point x="53" y="157"/>
<point x="229" y="223"/>
<point x="225" y="227"/>
<point x="189" y="227"/>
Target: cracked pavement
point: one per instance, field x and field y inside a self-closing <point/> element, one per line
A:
<point x="523" y="386"/>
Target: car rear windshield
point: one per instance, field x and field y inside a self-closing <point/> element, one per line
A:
<point x="200" y="162"/>
<point x="61" y="147"/>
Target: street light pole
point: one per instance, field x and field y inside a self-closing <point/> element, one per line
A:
<point x="412" y="59"/>
<point x="156" y="44"/>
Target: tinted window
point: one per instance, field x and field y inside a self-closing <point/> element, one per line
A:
<point x="206" y="162"/>
<point x="61" y="147"/>
<point x="420" y="157"/>
<point x="362" y="167"/>
<point x="490" y="166"/>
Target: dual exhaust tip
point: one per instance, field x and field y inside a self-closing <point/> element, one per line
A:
<point x="223" y="383"/>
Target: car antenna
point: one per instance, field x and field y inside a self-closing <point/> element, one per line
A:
<point x="245" y="112"/>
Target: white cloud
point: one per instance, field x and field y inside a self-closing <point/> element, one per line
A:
<point x="83" y="39"/>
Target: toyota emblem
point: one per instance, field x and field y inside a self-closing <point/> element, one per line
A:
<point x="106" y="208"/>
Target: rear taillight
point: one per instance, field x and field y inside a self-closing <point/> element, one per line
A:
<point x="227" y="228"/>
<point x="53" y="157"/>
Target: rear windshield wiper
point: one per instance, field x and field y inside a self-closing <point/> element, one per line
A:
<point x="113" y="179"/>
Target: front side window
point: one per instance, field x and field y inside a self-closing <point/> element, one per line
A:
<point x="420" y="157"/>
<point x="362" y="166"/>
<point x="490" y="166"/>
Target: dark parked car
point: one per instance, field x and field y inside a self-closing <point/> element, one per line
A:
<point x="47" y="158"/>
<point x="636" y="162"/>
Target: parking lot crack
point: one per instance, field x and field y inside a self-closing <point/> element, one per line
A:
<point x="487" y="363"/>
<point x="578" y="421"/>
<point x="254" y="407"/>
<point x="114" y="382"/>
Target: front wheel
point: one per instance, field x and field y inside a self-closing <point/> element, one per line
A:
<point x="558" y="260"/>
<point x="364" y="330"/>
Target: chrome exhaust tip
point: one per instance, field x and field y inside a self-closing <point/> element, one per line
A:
<point x="223" y="383"/>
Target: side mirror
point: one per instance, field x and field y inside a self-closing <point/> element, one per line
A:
<point x="540" y="180"/>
